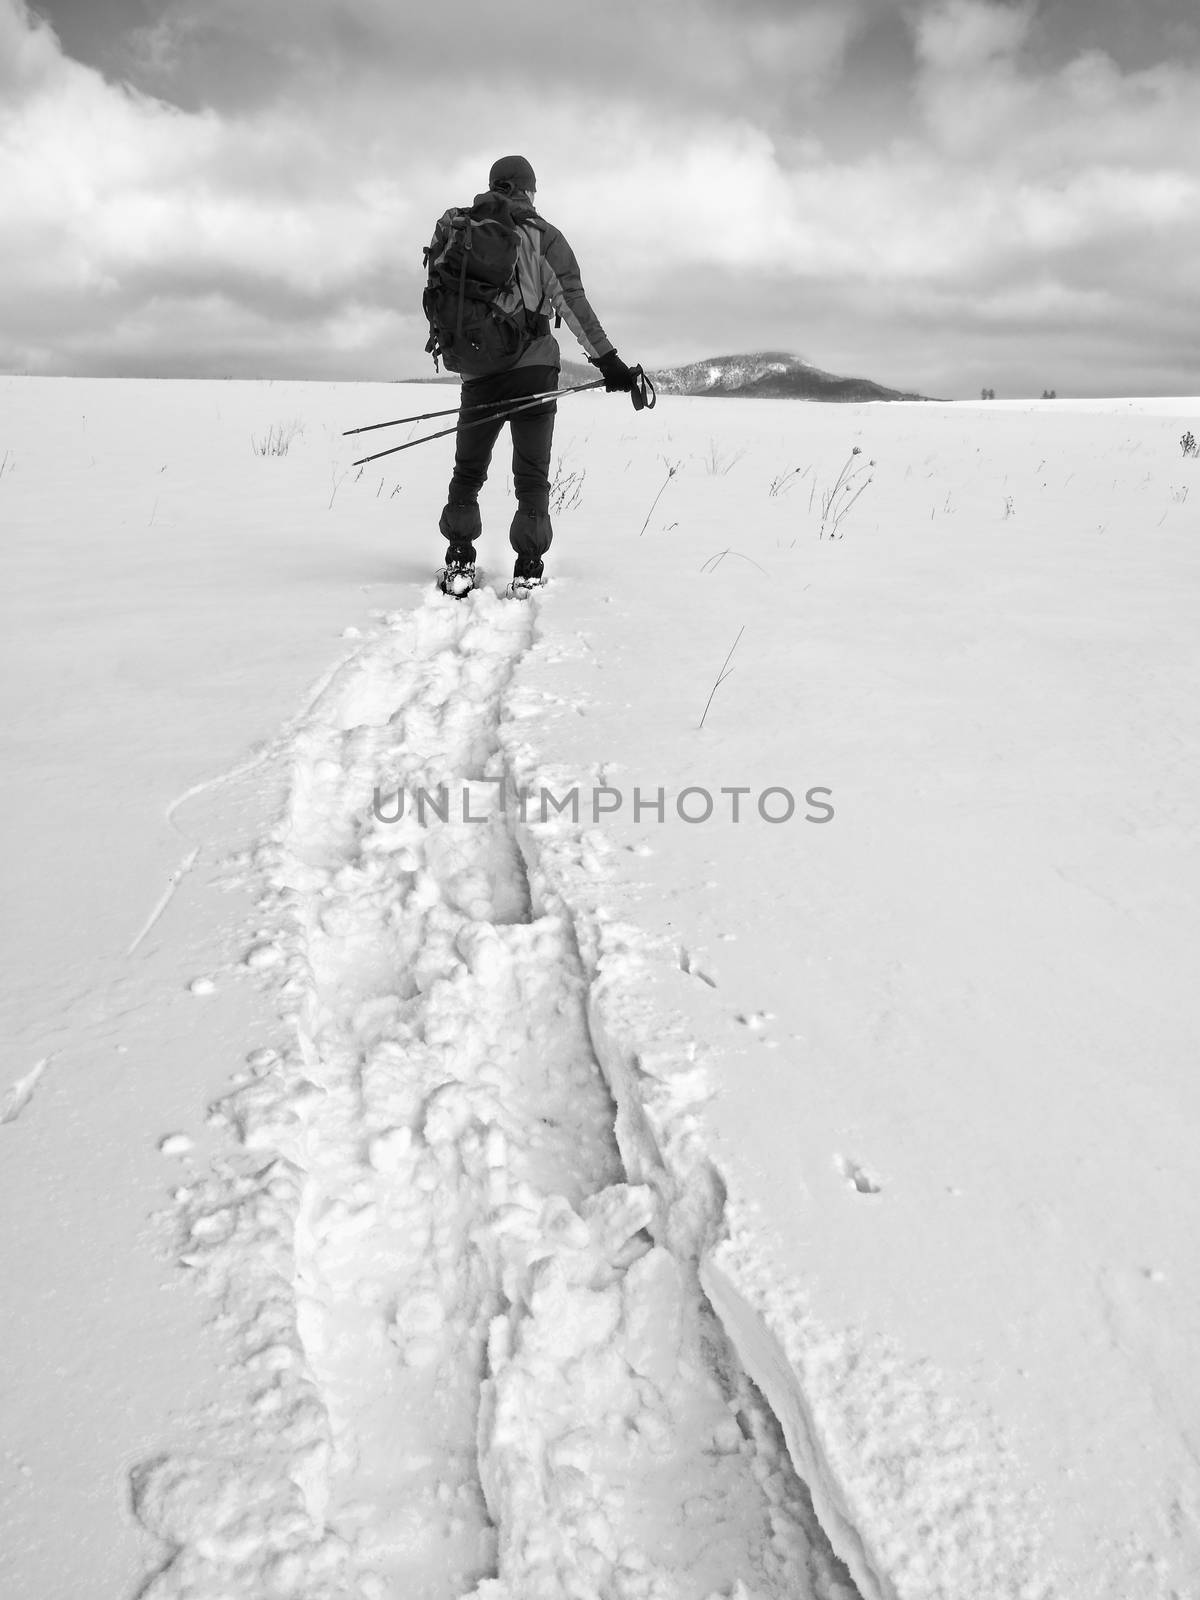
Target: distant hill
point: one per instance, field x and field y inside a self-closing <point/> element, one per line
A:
<point x="765" y="375"/>
<point x="770" y="375"/>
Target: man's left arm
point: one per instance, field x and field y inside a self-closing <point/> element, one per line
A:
<point x="564" y="286"/>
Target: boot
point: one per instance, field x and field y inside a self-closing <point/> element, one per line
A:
<point x="528" y="574"/>
<point x="529" y="534"/>
<point x="457" y="577"/>
<point x="460" y="525"/>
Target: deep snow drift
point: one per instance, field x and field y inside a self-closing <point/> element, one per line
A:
<point x="617" y="1183"/>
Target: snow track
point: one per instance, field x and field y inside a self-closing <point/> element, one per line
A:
<point x="499" y="1377"/>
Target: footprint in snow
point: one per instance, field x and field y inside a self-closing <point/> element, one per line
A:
<point x="757" y="1022"/>
<point x="858" y="1176"/>
<point x="687" y="963"/>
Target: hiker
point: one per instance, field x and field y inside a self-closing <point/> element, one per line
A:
<point x="548" y="278"/>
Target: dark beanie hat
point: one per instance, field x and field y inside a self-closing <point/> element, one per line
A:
<point x="512" y="172"/>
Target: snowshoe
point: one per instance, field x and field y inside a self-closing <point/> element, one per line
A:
<point x="457" y="579"/>
<point x="527" y="576"/>
<point x="521" y="587"/>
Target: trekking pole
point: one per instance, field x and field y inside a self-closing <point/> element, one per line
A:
<point x="488" y="405"/>
<point x="494" y="413"/>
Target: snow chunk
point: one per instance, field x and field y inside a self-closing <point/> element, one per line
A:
<point x="653" y="1317"/>
<point x="261" y="956"/>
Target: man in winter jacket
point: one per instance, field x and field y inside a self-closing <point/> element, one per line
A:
<point x="548" y="276"/>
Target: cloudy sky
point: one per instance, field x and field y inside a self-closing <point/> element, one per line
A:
<point x="937" y="194"/>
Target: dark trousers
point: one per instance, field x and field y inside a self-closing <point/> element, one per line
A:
<point x="532" y="438"/>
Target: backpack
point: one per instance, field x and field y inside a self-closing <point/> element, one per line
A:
<point x="478" y="321"/>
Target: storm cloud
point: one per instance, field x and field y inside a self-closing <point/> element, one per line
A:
<point x="936" y="195"/>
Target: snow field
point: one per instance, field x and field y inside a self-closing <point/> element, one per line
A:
<point x="501" y="1377"/>
<point x="915" y="1090"/>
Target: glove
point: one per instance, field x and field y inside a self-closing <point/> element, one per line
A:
<point x="617" y="376"/>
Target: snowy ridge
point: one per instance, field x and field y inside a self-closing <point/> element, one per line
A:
<point x="725" y="373"/>
<point x="770" y="374"/>
<point x="478" y="1354"/>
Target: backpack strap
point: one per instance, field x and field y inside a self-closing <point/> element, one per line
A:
<point x="462" y="289"/>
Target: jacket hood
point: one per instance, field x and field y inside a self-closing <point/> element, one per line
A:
<point x="522" y="206"/>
